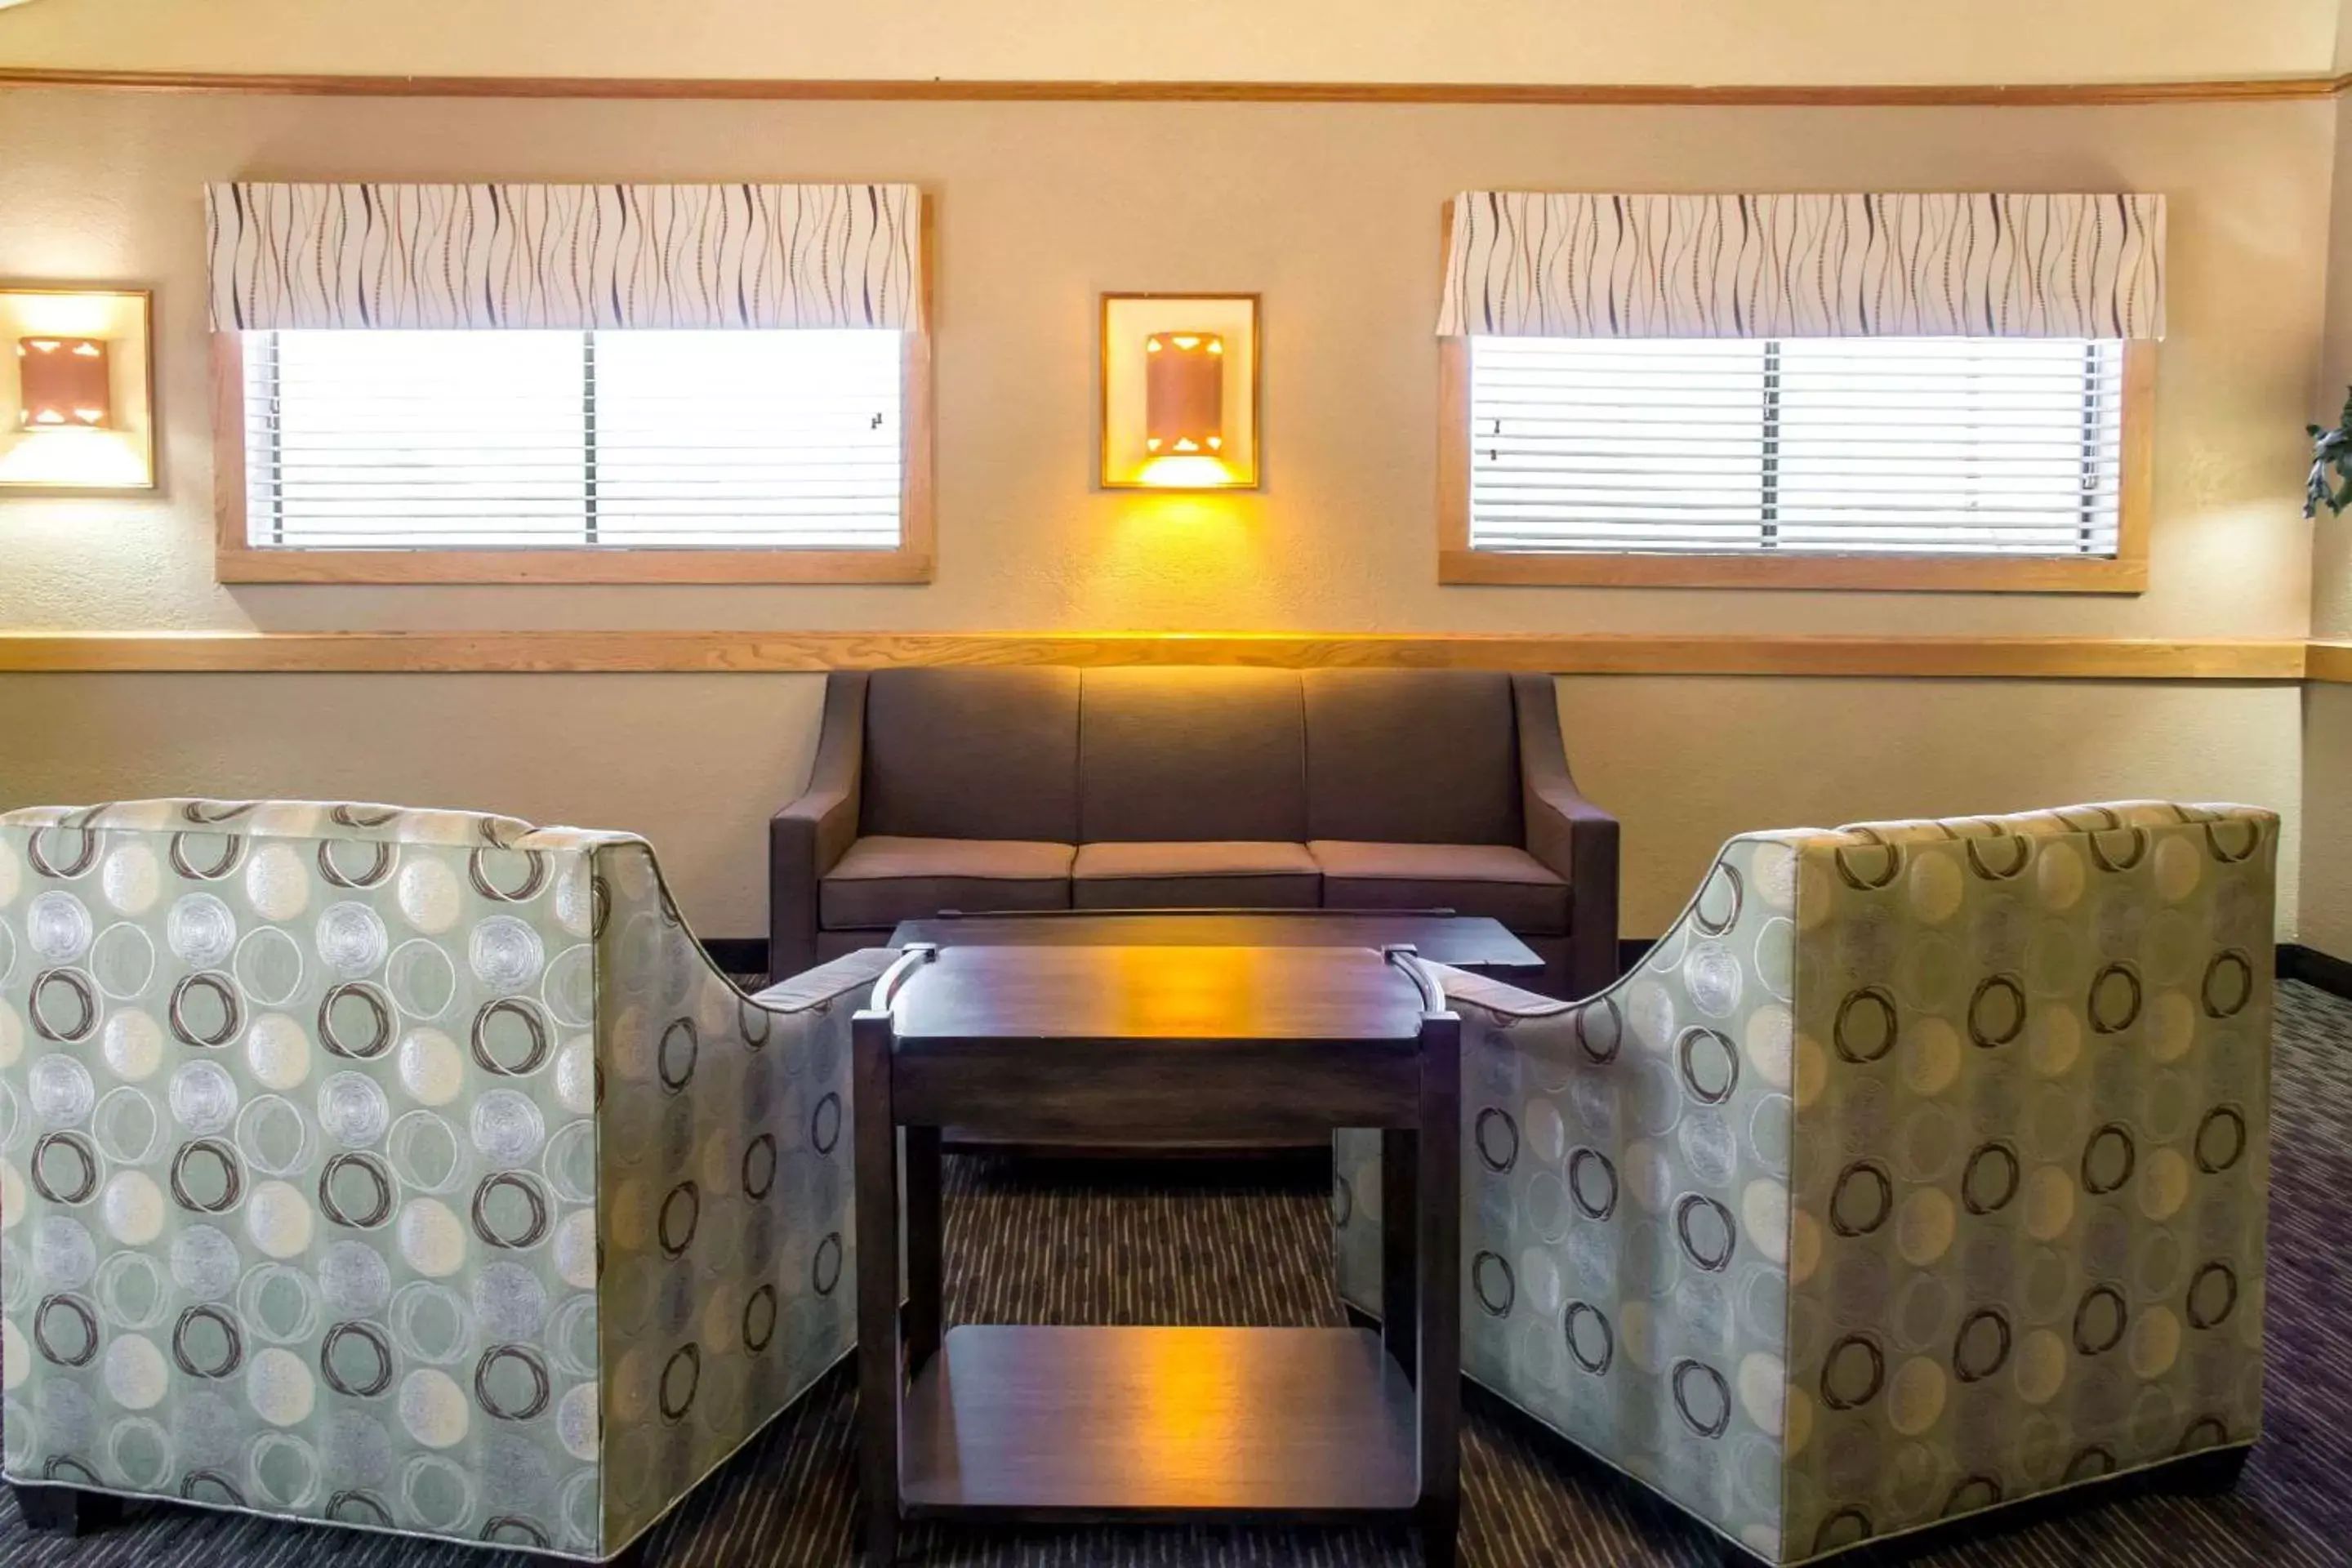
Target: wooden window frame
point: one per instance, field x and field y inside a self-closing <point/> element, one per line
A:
<point x="236" y="560"/>
<point x="2126" y="572"/>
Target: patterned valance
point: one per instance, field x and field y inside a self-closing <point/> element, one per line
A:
<point x="564" y="257"/>
<point x="1538" y="264"/>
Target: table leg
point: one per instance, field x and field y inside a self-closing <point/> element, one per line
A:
<point x="1400" y="1240"/>
<point x="926" y="1224"/>
<point x="1438" y="1217"/>
<point x="879" y="1369"/>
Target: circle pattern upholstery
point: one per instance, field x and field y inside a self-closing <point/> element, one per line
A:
<point x="407" y="1168"/>
<point x="1924" y="1169"/>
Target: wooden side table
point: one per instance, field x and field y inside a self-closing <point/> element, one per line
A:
<point x="1014" y="1422"/>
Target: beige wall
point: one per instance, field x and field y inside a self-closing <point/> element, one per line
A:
<point x="2326" y="916"/>
<point x="1332" y="212"/>
<point x="1676" y="41"/>
<point x="1686" y="762"/>
<point x="2331" y="599"/>
<point x="696" y="762"/>
<point x="2326" y="913"/>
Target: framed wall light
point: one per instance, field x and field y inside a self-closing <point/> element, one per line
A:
<point x="77" y="389"/>
<point x="1179" y="391"/>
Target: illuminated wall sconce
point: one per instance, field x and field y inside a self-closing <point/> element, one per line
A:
<point x="77" y="389"/>
<point x="1180" y="385"/>
<point x="63" y="383"/>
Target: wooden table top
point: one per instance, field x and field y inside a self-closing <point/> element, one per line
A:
<point x="1465" y="941"/>
<point x="1086" y="992"/>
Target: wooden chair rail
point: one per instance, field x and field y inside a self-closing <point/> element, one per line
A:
<point x="759" y="652"/>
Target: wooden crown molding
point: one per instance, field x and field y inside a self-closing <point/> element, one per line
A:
<point x="561" y="652"/>
<point x="2246" y="90"/>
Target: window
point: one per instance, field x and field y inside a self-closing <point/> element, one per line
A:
<point x="1926" y="462"/>
<point x="747" y="454"/>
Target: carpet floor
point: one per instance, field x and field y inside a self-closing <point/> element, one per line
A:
<point x="1249" y="1245"/>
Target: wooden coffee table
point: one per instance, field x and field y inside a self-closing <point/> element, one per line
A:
<point x="1014" y="1422"/>
<point x="1463" y="942"/>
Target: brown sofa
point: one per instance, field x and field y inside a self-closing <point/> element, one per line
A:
<point x="1193" y="788"/>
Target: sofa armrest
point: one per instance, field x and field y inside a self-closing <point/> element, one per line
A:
<point x="1569" y="834"/>
<point x="808" y="838"/>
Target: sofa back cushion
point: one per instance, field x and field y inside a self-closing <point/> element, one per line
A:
<point x="1191" y="753"/>
<point x="971" y="754"/>
<point x="1412" y="756"/>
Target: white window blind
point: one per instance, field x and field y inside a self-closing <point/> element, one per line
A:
<point x="1849" y="446"/>
<point x="516" y="440"/>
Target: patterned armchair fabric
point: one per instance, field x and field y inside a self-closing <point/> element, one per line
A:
<point x="1922" y="1168"/>
<point x="410" y="1170"/>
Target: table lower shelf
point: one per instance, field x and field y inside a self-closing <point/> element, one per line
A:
<point x="1032" y="1423"/>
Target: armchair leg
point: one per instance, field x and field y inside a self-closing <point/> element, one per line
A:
<point x="62" y="1511"/>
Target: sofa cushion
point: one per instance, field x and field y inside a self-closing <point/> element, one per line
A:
<point x="1497" y="881"/>
<point x="1183" y="753"/>
<point x="1209" y="874"/>
<point x="1412" y="756"/>
<point x="884" y="879"/>
<point x="971" y="754"/>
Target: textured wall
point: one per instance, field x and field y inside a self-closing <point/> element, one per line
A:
<point x="1801" y="41"/>
<point x="2325" y="912"/>
<point x="696" y="762"/>
<point x="1333" y="212"/>
<point x="2326" y="918"/>
<point x="2331" y="570"/>
<point x="1686" y="762"/>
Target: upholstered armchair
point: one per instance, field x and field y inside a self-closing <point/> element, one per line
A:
<point x="405" y="1169"/>
<point x="1922" y="1168"/>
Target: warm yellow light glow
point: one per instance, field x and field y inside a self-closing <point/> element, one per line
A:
<point x="1216" y="345"/>
<point x="1179" y="991"/>
<point x="1188" y="1410"/>
<point x="1153" y="345"/>
<point x="1161" y="559"/>
<point x="1187" y="341"/>
<point x="101" y="314"/>
<point x="64" y="455"/>
<point x="1179" y="473"/>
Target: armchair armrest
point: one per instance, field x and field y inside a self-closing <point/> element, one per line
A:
<point x="808" y="838"/>
<point x="1570" y="835"/>
<point x="724" y="1204"/>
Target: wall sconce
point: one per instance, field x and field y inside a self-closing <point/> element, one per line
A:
<point x="77" y="395"/>
<point x="1179" y="383"/>
<point x="63" y="384"/>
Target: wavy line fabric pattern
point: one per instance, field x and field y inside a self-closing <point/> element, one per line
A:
<point x="1540" y="263"/>
<point x="566" y="257"/>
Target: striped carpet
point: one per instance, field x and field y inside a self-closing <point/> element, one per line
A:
<point x="1186" y="1245"/>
